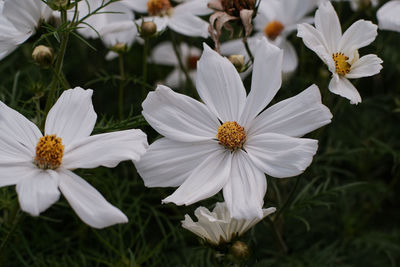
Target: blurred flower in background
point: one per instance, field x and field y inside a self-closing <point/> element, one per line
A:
<point x="389" y="16"/>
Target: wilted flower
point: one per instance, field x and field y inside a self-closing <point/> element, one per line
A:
<point x="164" y="54"/>
<point x="218" y="226"/>
<point x="340" y="52"/>
<point x="41" y="166"/>
<point x="227" y="143"/>
<point x="389" y="16"/>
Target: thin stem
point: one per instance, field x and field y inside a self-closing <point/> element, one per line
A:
<point x="144" y="66"/>
<point x="278" y="237"/>
<point x="59" y="64"/>
<point x="289" y="199"/>
<point x="246" y="45"/>
<point x="121" y="86"/>
<point x="181" y="65"/>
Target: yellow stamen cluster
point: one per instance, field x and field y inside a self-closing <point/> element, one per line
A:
<point x="49" y="152"/>
<point x="158" y="7"/>
<point x="341" y="64"/>
<point x="273" y="29"/>
<point x="231" y="135"/>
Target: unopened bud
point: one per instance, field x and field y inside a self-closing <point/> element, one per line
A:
<point x="43" y="55"/>
<point x="240" y="250"/>
<point x="59" y="4"/>
<point x="119" y="48"/>
<point x="148" y="29"/>
<point x="237" y="61"/>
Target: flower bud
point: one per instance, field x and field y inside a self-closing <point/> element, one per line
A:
<point x="237" y="61"/>
<point x="148" y="29"/>
<point x="43" y="55"/>
<point x="59" y="4"/>
<point x="240" y="250"/>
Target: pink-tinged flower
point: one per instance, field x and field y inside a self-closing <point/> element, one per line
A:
<point x="218" y="226"/>
<point x="229" y="142"/>
<point x="41" y="166"/>
<point x="340" y="51"/>
<point x="388" y="16"/>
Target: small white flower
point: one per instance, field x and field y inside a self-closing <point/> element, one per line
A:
<point x="18" y="21"/>
<point x="340" y="52"/>
<point x="227" y="143"/>
<point x="182" y="18"/>
<point x="41" y="166"/>
<point x="164" y="54"/>
<point x="276" y="20"/>
<point x="218" y="227"/>
<point x="389" y="16"/>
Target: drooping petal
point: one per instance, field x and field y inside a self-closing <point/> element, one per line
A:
<point x="244" y="192"/>
<point x="314" y="41"/>
<point x="361" y="33"/>
<point x="219" y="86"/>
<point x="72" y="117"/>
<point x="368" y="65"/>
<point x="266" y="80"/>
<point x="342" y="86"/>
<point x="189" y="25"/>
<point x="170" y="163"/>
<point x="388" y="16"/>
<point x="179" y="117"/>
<point x="328" y="24"/>
<point x="206" y="180"/>
<point x="38" y="191"/>
<point x="279" y="155"/>
<point x="13" y="173"/>
<point x="295" y="116"/>
<point x="88" y="203"/>
<point x="107" y="149"/>
<point x="23" y="131"/>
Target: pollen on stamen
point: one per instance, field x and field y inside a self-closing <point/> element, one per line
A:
<point x="158" y="7"/>
<point x="231" y="135"/>
<point x="341" y="64"/>
<point x="273" y="29"/>
<point x="49" y="152"/>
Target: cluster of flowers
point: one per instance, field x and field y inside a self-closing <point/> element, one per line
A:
<point x="227" y="142"/>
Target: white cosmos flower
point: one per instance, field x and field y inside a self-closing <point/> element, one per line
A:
<point x="276" y="19"/>
<point x="340" y="51"/>
<point x="217" y="226"/>
<point x="388" y="16"/>
<point x="19" y="20"/>
<point x="40" y="166"/>
<point x="182" y="18"/>
<point x="225" y="143"/>
<point x="164" y="54"/>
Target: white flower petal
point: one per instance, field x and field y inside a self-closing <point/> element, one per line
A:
<point x="388" y="16"/>
<point x="137" y="5"/>
<point x="72" y="117"/>
<point x="219" y="86"/>
<point x="194" y="7"/>
<point x="361" y="33"/>
<point x="189" y="25"/>
<point x="121" y="32"/>
<point x="88" y="203"/>
<point x="175" y="78"/>
<point x="290" y="59"/>
<point x="342" y="86"/>
<point x="368" y="65"/>
<point x="280" y="156"/>
<point x="38" y="191"/>
<point x="295" y="116"/>
<point x="328" y="24"/>
<point x="164" y="54"/>
<point x="266" y="80"/>
<point x="206" y="180"/>
<point x="23" y="131"/>
<point x="107" y="149"/>
<point x="12" y="151"/>
<point x="170" y="163"/>
<point x="244" y="192"/>
<point x="313" y="39"/>
<point x="179" y="117"/>
<point x="13" y="173"/>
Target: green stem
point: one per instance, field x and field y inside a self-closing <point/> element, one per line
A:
<point x="181" y="65"/>
<point x="121" y="86"/>
<point x="278" y="237"/>
<point x="246" y="45"/>
<point x="289" y="199"/>
<point x="144" y="67"/>
<point x="59" y="64"/>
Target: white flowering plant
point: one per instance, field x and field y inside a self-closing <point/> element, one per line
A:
<point x="199" y="133"/>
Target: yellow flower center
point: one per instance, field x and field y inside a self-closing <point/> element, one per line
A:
<point x="341" y="64"/>
<point x="49" y="152"/>
<point x="158" y="7"/>
<point x="273" y="29"/>
<point x="231" y="135"/>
